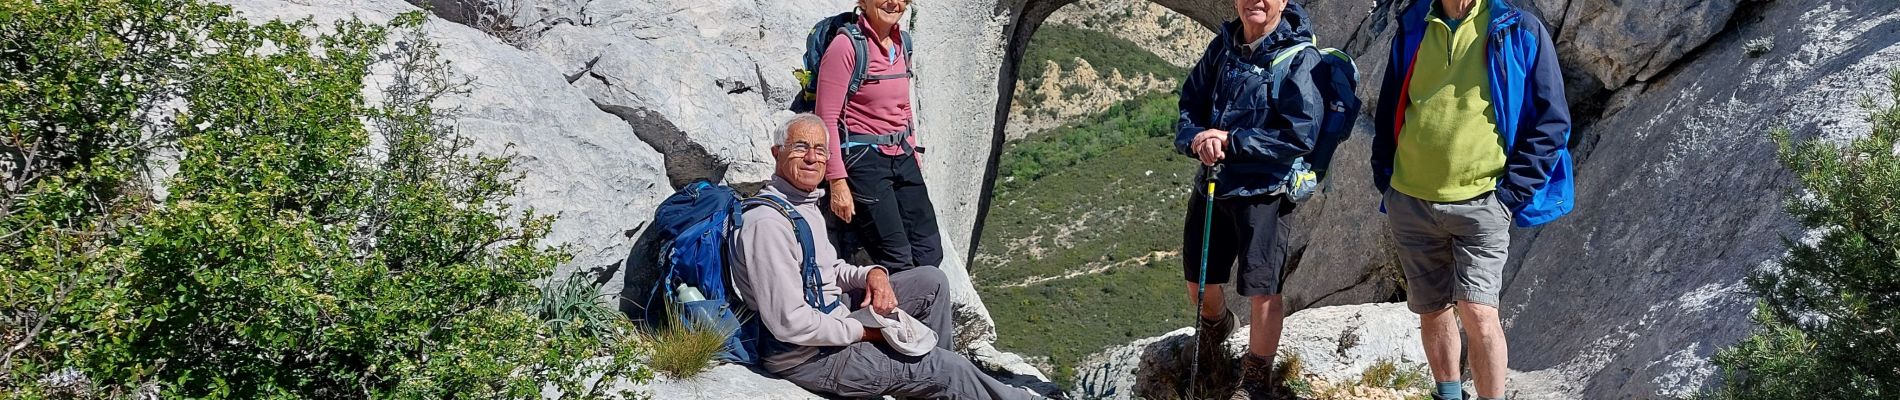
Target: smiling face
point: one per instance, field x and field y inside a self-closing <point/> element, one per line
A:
<point x="801" y="159"/>
<point x="1258" y="13"/>
<point x="884" y="12"/>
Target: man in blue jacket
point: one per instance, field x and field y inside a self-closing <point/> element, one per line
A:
<point x="1471" y="136"/>
<point x="1252" y="122"/>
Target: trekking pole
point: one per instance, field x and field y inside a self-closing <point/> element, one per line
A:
<point x="1200" y="289"/>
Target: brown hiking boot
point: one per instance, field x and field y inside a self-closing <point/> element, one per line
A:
<point x="1257" y="380"/>
<point x="1211" y="347"/>
<point x="1216" y="368"/>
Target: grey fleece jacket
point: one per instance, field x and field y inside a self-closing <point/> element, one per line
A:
<point x="769" y="280"/>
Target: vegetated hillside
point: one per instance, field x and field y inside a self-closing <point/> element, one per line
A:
<point x="1081" y="249"/>
<point x="1068" y="73"/>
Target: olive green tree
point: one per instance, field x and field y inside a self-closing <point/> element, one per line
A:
<point x="1830" y="308"/>
<point x="309" y="244"/>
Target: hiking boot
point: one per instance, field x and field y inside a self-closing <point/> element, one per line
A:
<point x="1216" y="369"/>
<point x="1257" y="380"/>
<point x="1468" y="395"/>
<point x="1211" y="337"/>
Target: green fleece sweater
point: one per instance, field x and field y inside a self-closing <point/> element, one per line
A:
<point x="1449" y="148"/>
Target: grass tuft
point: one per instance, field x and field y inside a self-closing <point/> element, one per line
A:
<point x="683" y="350"/>
<point x="1388" y="374"/>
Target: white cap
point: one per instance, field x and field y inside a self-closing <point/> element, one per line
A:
<point x="902" y="331"/>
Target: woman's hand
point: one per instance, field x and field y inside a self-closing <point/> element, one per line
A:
<point x="842" y="204"/>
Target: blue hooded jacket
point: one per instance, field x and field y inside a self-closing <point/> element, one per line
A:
<point x="1229" y="89"/>
<point x="1527" y="91"/>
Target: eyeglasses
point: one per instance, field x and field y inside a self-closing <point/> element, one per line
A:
<point x="806" y="150"/>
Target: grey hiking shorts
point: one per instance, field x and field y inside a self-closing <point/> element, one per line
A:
<point x="1452" y="251"/>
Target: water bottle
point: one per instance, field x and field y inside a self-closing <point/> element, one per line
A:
<point x="688" y="294"/>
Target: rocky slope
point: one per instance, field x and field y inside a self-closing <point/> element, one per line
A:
<point x="1064" y="96"/>
<point x="1335" y="346"/>
<point x="1076" y="88"/>
<point x="1157" y="29"/>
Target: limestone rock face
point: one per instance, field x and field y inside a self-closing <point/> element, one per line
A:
<point x="1619" y="43"/>
<point x="1334" y="344"/>
<point x="706" y="83"/>
<point x="724" y="382"/>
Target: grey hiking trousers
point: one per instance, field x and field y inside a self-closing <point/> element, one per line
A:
<point x="867" y="369"/>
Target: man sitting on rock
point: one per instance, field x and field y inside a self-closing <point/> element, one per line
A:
<point x="900" y="347"/>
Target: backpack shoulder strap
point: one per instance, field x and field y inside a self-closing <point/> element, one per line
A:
<point x="799" y="226"/>
<point x="1283" y="59"/>
<point x="859" y="45"/>
<point x="1283" y="64"/>
<point x="908" y="47"/>
<point x="808" y="266"/>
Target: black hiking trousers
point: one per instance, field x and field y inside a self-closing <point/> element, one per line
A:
<point x="895" y="221"/>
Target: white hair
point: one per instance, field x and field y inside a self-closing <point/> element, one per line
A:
<point x="784" y="131"/>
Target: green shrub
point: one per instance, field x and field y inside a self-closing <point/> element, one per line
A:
<point x="1829" y="312"/>
<point x="290" y="258"/>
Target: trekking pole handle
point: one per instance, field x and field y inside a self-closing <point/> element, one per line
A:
<point x="1208" y="172"/>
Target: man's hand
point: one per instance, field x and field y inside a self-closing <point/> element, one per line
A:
<point x="1210" y="146"/>
<point x="873" y="335"/>
<point x="841" y="203"/>
<point x="878" y="294"/>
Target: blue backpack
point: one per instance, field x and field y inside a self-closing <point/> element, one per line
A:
<point x="696" y="225"/>
<point x="820" y="39"/>
<point x="1338" y="80"/>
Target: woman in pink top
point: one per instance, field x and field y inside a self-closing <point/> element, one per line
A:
<point x="875" y="182"/>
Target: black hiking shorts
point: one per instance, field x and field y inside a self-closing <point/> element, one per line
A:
<point x="1248" y="233"/>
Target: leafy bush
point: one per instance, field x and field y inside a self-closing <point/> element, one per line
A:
<point x="1829" y="312"/>
<point x="310" y="244"/>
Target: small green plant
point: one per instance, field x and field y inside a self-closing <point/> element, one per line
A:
<point x="575" y="305"/>
<point x="1292" y="371"/>
<point x="1757" y="47"/>
<point x="1829" y="311"/>
<point x="682" y="350"/>
<point x="1391" y="375"/>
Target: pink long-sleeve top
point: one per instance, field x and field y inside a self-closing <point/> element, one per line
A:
<point x="879" y="108"/>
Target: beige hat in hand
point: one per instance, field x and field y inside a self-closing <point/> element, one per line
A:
<point x="902" y="331"/>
